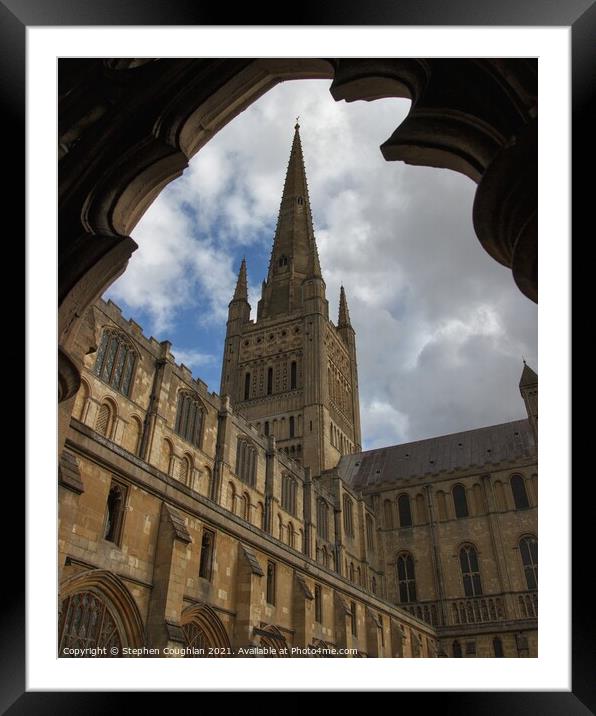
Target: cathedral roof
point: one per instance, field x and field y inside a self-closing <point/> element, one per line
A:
<point x="481" y="448"/>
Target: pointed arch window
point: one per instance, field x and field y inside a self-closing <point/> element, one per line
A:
<point x="116" y="505"/>
<point x="293" y="375"/>
<point x="528" y="548"/>
<point x="289" y="490"/>
<point x="498" y="647"/>
<point x="468" y="560"/>
<point x="189" y="418"/>
<point x="388" y="514"/>
<point x="115" y="361"/>
<point x="406" y="578"/>
<point x="348" y="517"/>
<point x="206" y="561"/>
<point x="292" y="424"/>
<point x="246" y="461"/>
<point x="247" y="386"/>
<point x="405" y="511"/>
<point x="460" y="501"/>
<point x="520" y="496"/>
<point x="322" y="519"/>
<point x="457" y="653"/>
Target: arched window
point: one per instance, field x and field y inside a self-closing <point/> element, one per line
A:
<point x="405" y="512"/>
<point x="246" y="507"/>
<point x="247" y="386"/>
<point x="269" y="381"/>
<point x="104" y="421"/>
<point x="460" y="502"/>
<point x="322" y="519"/>
<point x="457" y="649"/>
<point x="388" y="514"/>
<point x="189" y="418"/>
<point x="406" y="579"/>
<point x="260" y="516"/>
<point x="206" y="560"/>
<point x="292" y="426"/>
<point x="133" y="435"/>
<point x="115" y="361"/>
<point x="468" y="560"/>
<point x="289" y="489"/>
<point x="351" y="572"/>
<point x="528" y="548"/>
<point x="291" y="535"/>
<point x="86" y="621"/>
<point x="373" y="585"/>
<point x="520" y="496"/>
<point x="246" y="461"/>
<point x="348" y="518"/>
<point x="266" y="428"/>
<point x="231" y="497"/>
<point x="498" y="647"/>
<point x="359" y="575"/>
<point x="115" y="513"/>
<point x="369" y="533"/>
<point x="293" y="375"/>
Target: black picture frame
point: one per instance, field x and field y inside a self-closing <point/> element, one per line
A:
<point x="579" y="15"/>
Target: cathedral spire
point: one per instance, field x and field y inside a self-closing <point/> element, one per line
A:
<point x="344" y="313"/>
<point x="294" y="256"/>
<point x="241" y="292"/>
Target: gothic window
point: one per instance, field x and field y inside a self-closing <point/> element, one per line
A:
<point x="269" y="381"/>
<point x="318" y="604"/>
<point x="351" y="572"/>
<point x="247" y="386"/>
<point x="293" y="371"/>
<point x="498" y="647"/>
<point x="104" y="421"/>
<point x="115" y="361"/>
<point x="406" y="578"/>
<point x="459" y="501"/>
<point x="231" y="497"/>
<point x="289" y="489"/>
<point x="206" y="561"/>
<point x="388" y="514"/>
<point x="468" y="560"/>
<point x="86" y="622"/>
<point x="115" y="513"/>
<point x="300" y="200"/>
<point x="283" y="261"/>
<point x="373" y="585"/>
<point x="291" y="536"/>
<point x="457" y="649"/>
<point x="348" y="518"/>
<point x="405" y="512"/>
<point x="369" y="533"/>
<point x="520" y="496"/>
<point x="266" y="428"/>
<point x="270" y="583"/>
<point x="189" y="418"/>
<point x="359" y="576"/>
<point x="245" y="507"/>
<point x="292" y="426"/>
<point x="354" y="622"/>
<point x="528" y="548"/>
<point x="246" y="461"/>
<point x="322" y="519"/>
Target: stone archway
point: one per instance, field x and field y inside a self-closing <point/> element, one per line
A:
<point x="204" y="631"/>
<point x="128" y="128"/>
<point x="97" y="612"/>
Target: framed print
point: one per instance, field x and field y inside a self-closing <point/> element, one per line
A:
<point x="245" y="517"/>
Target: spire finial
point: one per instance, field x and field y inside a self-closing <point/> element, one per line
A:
<point x="241" y="292"/>
<point x="297" y="125"/>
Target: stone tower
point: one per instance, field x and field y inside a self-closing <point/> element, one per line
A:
<point x="293" y="373"/>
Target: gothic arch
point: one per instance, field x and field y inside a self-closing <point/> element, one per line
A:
<point x="113" y="593"/>
<point x="108" y="178"/>
<point x="270" y="636"/>
<point x="204" y="629"/>
<point x="82" y="400"/>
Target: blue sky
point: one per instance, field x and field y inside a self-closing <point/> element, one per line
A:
<point x="441" y="328"/>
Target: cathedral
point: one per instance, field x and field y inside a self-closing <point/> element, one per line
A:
<point x="252" y="523"/>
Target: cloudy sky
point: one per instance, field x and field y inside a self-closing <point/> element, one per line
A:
<point x="441" y="328"/>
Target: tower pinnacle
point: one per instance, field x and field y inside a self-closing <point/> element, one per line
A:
<point x="344" y="313"/>
<point x="241" y="292"/>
